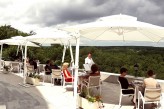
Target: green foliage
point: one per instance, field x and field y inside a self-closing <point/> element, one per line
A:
<point x="83" y="93"/>
<point x="94" y="98"/>
<point x="109" y="59"/>
<point x="7" y="31"/>
<point x="34" y="75"/>
<point x="90" y="98"/>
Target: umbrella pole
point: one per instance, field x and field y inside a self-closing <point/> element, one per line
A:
<point x="17" y="50"/>
<point x="76" y="68"/>
<point x="72" y="59"/>
<point x="25" y="69"/>
<point x="1" y="57"/>
<point x="64" y="50"/>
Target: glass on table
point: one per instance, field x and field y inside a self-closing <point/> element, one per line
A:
<point x="138" y="81"/>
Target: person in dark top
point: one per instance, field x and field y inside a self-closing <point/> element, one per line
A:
<point x="33" y="62"/>
<point x="53" y="66"/>
<point x="124" y="82"/>
<point x="94" y="72"/>
<point x="48" y="69"/>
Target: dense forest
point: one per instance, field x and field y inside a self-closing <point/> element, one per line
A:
<point x="109" y="59"/>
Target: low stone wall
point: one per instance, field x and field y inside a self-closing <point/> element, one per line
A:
<point x="112" y="77"/>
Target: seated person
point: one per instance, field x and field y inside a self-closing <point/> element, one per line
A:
<point x="33" y="62"/>
<point x="94" y="72"/>
<point x="48" y="69"/>
<point x="66" y="72"/>
<point x="150" y="82"/>
<point x="124" y="82"/>
<point x="53" y="66"/>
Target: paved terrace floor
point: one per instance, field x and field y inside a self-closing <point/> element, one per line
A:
<point x="47" y="96"/>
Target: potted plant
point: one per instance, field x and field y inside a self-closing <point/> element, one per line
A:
<point x="86" y="101"/>
<point x="33" y="79"/>
<point x="6" y="69"/>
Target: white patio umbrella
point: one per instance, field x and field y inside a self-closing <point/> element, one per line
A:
<point x="19" y="42"/>
<point x="121" y="28"/>
<point x="49" y="37"/>
<point x="13" y="41"/>
<point x="46" y="37"/>
<point x="52" y="37"/>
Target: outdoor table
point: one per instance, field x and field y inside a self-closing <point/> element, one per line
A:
<point x="81" y="77"/>
<point x="138" y="86"/>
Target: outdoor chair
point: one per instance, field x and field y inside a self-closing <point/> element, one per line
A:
<point x="92" y="82"/>
<point x="123" y="94"/>
<point x="15" y="67"/>
<point x="41" y="69"/>
<point x="151" y="95"/>
<point x="42" y="72"/>
<point x="67" y="77"/>
<point x="56" y="74"/>
<point x="30" y="69"/>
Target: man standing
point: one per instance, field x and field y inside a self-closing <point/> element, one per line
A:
<point x="89" y="60"/>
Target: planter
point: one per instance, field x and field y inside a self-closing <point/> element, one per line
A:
<point x="85" y="104"/>
<point x="33" y="81"/>
<point x="5" y="71"/>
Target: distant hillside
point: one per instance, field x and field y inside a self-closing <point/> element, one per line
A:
<point x="7" y="31"/>
<point x="109" y="59"/>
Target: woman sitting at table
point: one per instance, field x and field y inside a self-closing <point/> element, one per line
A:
<point x="94" y="72"/>
<point x="124" y="82"/>
<point x="150" y="82"/>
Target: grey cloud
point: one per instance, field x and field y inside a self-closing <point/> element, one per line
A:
<point x="52" y="14"/>
<point x="4" y="3"/>
<point x="75" y="13"/>
<point x="99" y="2"/>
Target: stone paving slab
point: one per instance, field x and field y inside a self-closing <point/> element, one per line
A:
<point x="3" y="106"/>
<point x="127" y="107"/>
<point x="48" y="96"/>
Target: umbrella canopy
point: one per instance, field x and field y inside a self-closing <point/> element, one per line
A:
<point x="121" y="28"/>
<point x="90" y="42"/>
<point x="50" y="37"/>
<point x="13" y="41"/>
<point x="46" y="37"/>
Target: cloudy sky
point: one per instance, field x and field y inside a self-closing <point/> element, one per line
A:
<point x="27" y="15"/>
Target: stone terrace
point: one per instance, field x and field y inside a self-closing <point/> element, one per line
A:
<point x="47" y="96"/>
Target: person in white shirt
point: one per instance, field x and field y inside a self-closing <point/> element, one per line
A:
<point x="89" y="60"/>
